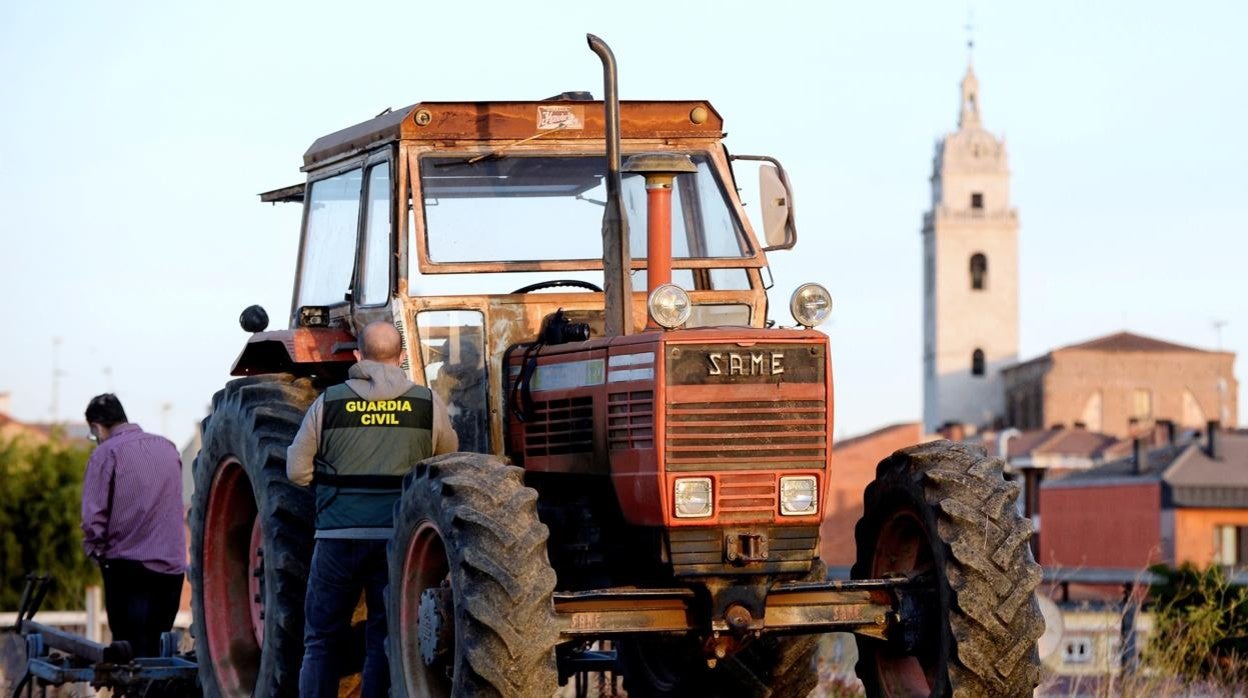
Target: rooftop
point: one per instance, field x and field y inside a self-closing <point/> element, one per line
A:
<point x="1129" y="341"/>
<point x="1074" y="441"/>
<point x="1119" y="343"/>
<point x="860" y="438"/>
<point x="1191" y="477"/>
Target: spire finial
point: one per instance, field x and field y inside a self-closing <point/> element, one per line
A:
<point x="969" y="116"/>
<point x="970" y="35"/>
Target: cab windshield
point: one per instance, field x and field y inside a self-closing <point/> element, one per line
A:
<point x="549" y="207"/>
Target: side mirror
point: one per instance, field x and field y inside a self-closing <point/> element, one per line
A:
<point x="775" y="204"/>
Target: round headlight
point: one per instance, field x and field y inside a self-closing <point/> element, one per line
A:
<point x="669" y="306"/>
<point x="811" y="304"/>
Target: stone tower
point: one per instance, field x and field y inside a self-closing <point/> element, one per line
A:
<point x="970" y="274"/>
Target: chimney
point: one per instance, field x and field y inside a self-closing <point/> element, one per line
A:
<point x="1168" y="427"/>
<point x="1139" y="451"/>
<point x="5" y="403"/>
<point x="1212" y="447"/>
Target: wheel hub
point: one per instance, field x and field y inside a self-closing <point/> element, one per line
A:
<point x="436" y="625"/>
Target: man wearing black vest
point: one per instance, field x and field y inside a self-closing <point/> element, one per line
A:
<point x="356" y="442"/>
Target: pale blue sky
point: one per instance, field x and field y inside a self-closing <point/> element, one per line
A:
<point x="135" y="136"/>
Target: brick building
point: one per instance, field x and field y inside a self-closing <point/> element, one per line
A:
<point x="853" y="467"/>
<point x="1180" y="502"/>
<point x="1113" y="383"/>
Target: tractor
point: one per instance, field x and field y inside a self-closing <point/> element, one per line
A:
<point x="644" y="455"/>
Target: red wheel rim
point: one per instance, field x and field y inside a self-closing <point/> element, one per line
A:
<point x="904" y="548"/>
<point x="230" y="542"/>
<point x="255" y="581"/>
<point x="425" y="566"/>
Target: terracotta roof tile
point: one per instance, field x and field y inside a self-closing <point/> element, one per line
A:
<point x="1197" y="468"/>
<point x="1129" y="341"/>
<point x="844" y="443"/>
<point x="1077" y="442"/>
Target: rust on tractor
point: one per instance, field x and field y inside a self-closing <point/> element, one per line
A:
<point x="474" y="123"/>
<point x="834" y="606"/>
<point x="319" y="347"/>
<point x="580" y="284"/>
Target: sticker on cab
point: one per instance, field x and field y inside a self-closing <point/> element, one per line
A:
<point x="560" y="116"/>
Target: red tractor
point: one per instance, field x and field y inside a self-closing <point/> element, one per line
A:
<point x="643" y="471"/>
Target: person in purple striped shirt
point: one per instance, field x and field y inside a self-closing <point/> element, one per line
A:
<point x="132" y="525"/>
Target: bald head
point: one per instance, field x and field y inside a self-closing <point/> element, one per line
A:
<point x="380" y="342"/>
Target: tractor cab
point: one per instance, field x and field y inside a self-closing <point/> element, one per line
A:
<point x="470" y="225"/>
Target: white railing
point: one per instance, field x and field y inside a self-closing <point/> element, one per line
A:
<point x="93" y="621"/>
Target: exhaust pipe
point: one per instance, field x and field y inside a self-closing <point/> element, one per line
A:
<point x="616" y="262"/>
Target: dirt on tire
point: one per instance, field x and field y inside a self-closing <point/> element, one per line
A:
<point x="252" y="422"/>
<point x="983" y="569"/>
<point x="485" y="521"/>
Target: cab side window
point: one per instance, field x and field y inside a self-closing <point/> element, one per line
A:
<point x="325" y="262"/>
<point x="375" y="257"/>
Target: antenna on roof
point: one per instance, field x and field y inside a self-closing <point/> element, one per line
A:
<point x="1217" y="327"/>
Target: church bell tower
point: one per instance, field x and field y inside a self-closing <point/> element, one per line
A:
<point x="970" y="274"/>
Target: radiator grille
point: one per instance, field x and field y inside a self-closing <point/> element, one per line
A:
<point x="560" y="427"/>
<point x="630" y="420"/>
<point x="743" y="497"/>
<point x="717" y="435"/>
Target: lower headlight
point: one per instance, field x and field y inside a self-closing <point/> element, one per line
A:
<point x="799" y="496"/>
<point x="811" y="304"/>
<point x="693" y="497"/>
<point x="669" y="306"/>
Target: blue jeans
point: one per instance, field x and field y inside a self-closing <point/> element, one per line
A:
<point x="341" y="569"/>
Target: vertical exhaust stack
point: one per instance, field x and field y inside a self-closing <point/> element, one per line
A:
<point x="616" y="261"/>
<point x="660" y="170"/>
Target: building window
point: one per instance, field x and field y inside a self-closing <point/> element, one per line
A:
<point x="1230" y="545"/>
<point x="977" y="201"/>
<point x="1142" y="405"/>
<point x="1093" y="412"/>
<point x="1193" y="415"/>
<point x="1077" y="650"/>
<point x="979" y="271"/>
<point x="977" y="362"/>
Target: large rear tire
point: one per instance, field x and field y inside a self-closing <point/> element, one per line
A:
<point x="943" y="512"/>
<point x="251" y="540"/>
<point x="469" y="600"/>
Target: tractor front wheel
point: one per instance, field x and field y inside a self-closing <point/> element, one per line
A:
<point x="942" y="515"/>
<point x="469" y="600"/>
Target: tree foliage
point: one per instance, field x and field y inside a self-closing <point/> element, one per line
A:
<point x="1201" y="625"/>
<point x="40" y="504"/>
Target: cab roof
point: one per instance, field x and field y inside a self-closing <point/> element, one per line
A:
<point x="509" y="121"/>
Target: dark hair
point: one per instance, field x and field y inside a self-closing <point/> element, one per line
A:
<point x="105" y="409"/>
